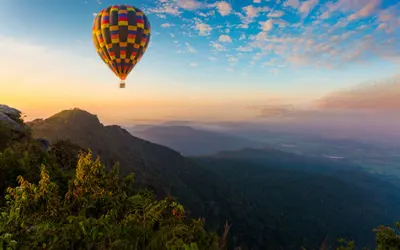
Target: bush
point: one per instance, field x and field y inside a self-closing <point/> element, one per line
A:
<point x="99" y="211"/>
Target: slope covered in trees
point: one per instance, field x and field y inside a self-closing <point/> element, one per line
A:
<point x="66" y="200"/>
<point x="193" y="142"/>
<point x="270" y="205"/>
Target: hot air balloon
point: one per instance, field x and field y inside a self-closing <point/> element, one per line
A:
<point x="121" y="34"/>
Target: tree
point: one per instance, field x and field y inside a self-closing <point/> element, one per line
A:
<point x="388" y="238"/>
<point x="99" y="211"/>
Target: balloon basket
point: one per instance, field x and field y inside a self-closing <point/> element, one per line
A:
<point x="122" y="85"/>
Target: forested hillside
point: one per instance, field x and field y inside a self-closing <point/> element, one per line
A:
<point x="273" y="201"/>
<point x="63" y="198"/>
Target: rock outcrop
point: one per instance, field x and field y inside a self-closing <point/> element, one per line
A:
<point x="12" y="118"/>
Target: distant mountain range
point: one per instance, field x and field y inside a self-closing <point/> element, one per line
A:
<point x="275" y="199"/>
<point x="193" y="142"/>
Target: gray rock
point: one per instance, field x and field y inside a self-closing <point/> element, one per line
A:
<point x="9" y="116"/>
<point x="9" y="111"/>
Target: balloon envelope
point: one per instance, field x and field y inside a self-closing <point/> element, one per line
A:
<point x="121" y="34"/>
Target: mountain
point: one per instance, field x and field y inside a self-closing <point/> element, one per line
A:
<point x="156" y="167"/>
<point x="194" y="142"/>
<point x="274" y="199"/>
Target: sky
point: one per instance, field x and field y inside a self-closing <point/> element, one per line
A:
<point x="207" y="60"/>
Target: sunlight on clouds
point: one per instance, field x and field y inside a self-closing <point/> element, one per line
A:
<point x="40" y="87"/>
<point x="225" y="39"/>
<point x="289" y="39"/>
<point x="367" y="10"/>
<point x="267" y="25"/>
<point x="276" y="13"/>
<point x="224" y="8"/>
<point x="250" y="14"/>
<point x="383" y="95"/>
<point x="307" y="6"/>
<point x="292" y="3"/>
<point x="204" y="29"/>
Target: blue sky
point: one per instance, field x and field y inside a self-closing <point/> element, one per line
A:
<point x="221" y="51"/>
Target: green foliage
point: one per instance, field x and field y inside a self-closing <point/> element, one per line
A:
<point x="388" y="238"/>
<point x="66" y="153"/>
<point x="99" y="211"/>
<point x="20" y="158"/>
<point x="345" y="245"/>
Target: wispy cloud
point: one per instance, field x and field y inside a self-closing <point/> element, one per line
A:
<point x="176" y="7"/>
<point x="292" y="3"/>
<point x="250" y="13"/>
<point x="203" y="29"/>
<point x="274" y="110"/>
<point x="307" y="6"/>
<point x="167" y="25"/>
<point x="276" y="13"/>
<point x="368" y="9"/>
<point x="383" y="95"/>
<point x="190" y="48"/>
<point x="217" y="46"/>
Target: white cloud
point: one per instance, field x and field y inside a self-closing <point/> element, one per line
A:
<point x="161" y="16"/>
<point x="189" y="4"/>
<point x="225" y="39"/>
<point x="166" y="9"/>
<point x="224" y="8"/>
<point x="267" y="25"/>
<point x="251" y="11"/>
<point x="218" y="46"/>
<point x="256" y="1"/>
<point x="292" y="3"/>
<point x="203" y="28"/>
<point x="193" y="64"/>
<point x="176" y="7"/>
<point x="368" y="9"/>
<point x="307" y="6"/>
<point x="245" y="49"/>
<point x="232" y="59"/>
<point x="172" y="35"/>
<point x="242" y="37"/>
<point x="276" y="13"/>
<point x="211" y="58"/>
<point x="167" y="25"/>
<point x="190" y="48"/>
<point x="250" y="14"/>
<point x="207" y="14"/>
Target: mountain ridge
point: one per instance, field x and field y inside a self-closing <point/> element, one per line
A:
<point x="192" y="141"/>
<point x="152" y="163"/>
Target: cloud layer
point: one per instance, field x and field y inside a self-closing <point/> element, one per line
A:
<point x="381" y="96"/>
<point x="293" y="33"/>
